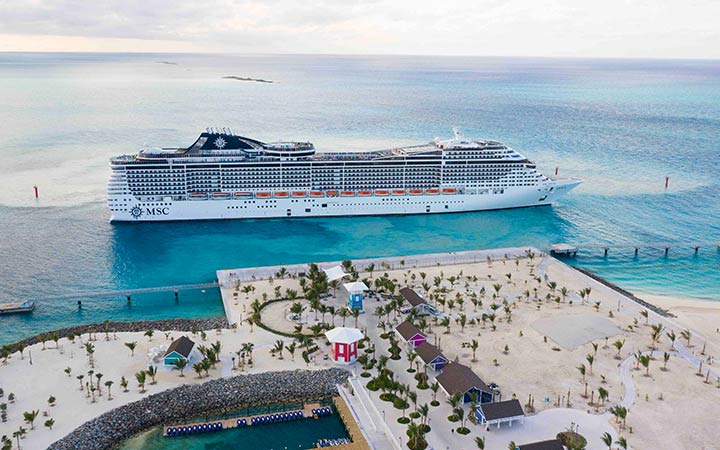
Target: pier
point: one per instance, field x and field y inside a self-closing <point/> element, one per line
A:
<point x="232" y="422"/>
<point x="128" y="293"/>
<point x="564" y="249"/>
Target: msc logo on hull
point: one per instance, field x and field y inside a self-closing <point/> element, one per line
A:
<point x="137" y="212"/>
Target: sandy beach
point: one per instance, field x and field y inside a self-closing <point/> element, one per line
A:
<point x="545" y="326"/>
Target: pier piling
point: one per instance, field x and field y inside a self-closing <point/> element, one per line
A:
<point x="606" y="251"/>
<point x="36" y="191"/>
<point x="129" y="300"/>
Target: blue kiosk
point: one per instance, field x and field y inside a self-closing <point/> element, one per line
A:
<point x="355" y="295"/>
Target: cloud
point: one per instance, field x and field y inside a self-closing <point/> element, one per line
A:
<point x="483" y="27"/>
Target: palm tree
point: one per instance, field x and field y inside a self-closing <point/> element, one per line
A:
<point x="687" y="335"/>
<point x="141" y="377"/>
<point x="124" y="383"/>
<point x="18" y="434"/>
<point x="356" y="314"/>
<point x="607" y="440"/>
<point x="149" y="334"/>
<point x="80" y="379"/>
<point x="581" y="369"/>
<point x="655" y="334"/>
<point x="645" y="362"/>
<point x="480" y="442"/>
<point x="590" y="359"/>
<point x="618" y="345"/>
<point x="474" y="346"/>
<point x="99" y="377"/>
<point x="30" y="417"/>
<point x="49" y="423"/>
<point x="666" y="358"/>
<point x="644" y="313"/>
<point x="512" y="446"/>
<point x="180" y="364"/>
<point x="131" y="346"/>
<point x="603" y="394"/>
<point x="198" y="368"/>
<point x="278" y="348"/>
<point x="460" y="413"/>
<point x="424" y="410"/>
<point x="552" y="285"/>
<point x="434" y="388"/>
<point x="108" y="384"/>
<point x="622" y="442"/>
<point x="152" y="372"/>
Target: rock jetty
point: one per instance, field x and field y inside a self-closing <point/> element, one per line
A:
<point x="211" y="323"/>
<point x="185" y="402"/>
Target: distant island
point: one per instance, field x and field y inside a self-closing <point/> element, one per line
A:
<point x="168" y="62"/>
<point x="257" y="80"/>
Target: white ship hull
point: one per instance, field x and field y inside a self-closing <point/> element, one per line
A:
<point x="257" y="208"/>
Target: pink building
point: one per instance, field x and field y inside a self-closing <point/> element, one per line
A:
<point x="344" y="344"/>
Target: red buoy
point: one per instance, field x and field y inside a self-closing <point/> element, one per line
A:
<point x="556" y="170"/>
<point x="36" y="191"/>
<point x="667" y="181"/>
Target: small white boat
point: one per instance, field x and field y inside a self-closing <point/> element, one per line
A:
<point x="17" y="307"/>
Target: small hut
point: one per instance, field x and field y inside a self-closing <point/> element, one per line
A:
<point x="344" y="344"/>
<point x="355" y="295"/>
<point x="180" y="348"/>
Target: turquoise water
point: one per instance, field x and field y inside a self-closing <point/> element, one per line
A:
<point x="300" y="434"/>
<point x="621" y="125"/>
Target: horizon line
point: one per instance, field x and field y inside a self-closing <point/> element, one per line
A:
<point x="668" y="58"/>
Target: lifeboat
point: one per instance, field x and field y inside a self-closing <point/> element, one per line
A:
<point x="364" y="193"/>
<point x="381" y="192"/>
<point x="281" y="194"/>
<point x="332" y="193"/>
<point x="415" y="191"/>
<point x="347" y="193"/>
<point x="449" y="191"/>
<point x="262" y="195"/>
<point x="398" y="192"/>
<point x="197" y="195"/>
<point x="243" y="194"/>
<point x="317" y="194"/>
<point x="299" y="194"/>
<point x="221" y="195"/>
<point x="432" y="191"/>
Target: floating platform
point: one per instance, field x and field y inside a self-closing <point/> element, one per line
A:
<point x="563" y="249"/>
<point x="17" y="307"/>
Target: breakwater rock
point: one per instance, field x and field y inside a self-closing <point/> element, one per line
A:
<point x="185" y="402"/>
<point x="211" y="323"/>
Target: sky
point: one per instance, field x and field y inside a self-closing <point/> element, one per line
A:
<point x="575" y="28"/>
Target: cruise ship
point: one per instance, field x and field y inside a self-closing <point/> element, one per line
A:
<point x="226" y="176"/>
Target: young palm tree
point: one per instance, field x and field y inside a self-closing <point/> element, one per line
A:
<point x="108" y="384"/>
<point x="180" y="364"/>
<point x="474" y="344"/>
<point x="603" y="394"/>
<point x="124" y="383"/>
<point x="645" y="362"/>
<point x="460" y="413"/>
<point x="480" y="442"/>
<point x="618" y="345"/>
<point x="152" y="372"/>
<point x="141" y="377"/>
<point x="581" y="369"/>
<point x="590" y="359"/>
<point x="356" y="315"/>
<point x="607" y="440"/>
<point x="666" y="358"/>
<point x="512" y="446"/>
<point x="49" y="423"/>
<point x="131" y="346"/>
<point x="434" y="388"/>
<point x="149" y="334"/>
<point x="622" y="442"/>
<point x="30" y="416"/>
<point x="198" y="368"/>
<point x="687" y="335"/>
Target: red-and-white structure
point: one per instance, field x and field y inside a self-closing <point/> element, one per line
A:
<point x="344" y="344"/>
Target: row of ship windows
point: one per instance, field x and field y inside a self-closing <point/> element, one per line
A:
<point x="381" y="169"/>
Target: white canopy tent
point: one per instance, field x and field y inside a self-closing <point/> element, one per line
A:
<point x="335" y="273"/>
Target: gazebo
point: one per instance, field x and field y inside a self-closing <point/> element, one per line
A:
<point x="343" y="344"/>
<point x="355" y="294"/>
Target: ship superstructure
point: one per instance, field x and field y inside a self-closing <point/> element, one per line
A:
<point x="226" y="176"/>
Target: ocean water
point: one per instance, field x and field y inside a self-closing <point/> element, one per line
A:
<point x="621" y="125"/>
<point x="301" y="434"/>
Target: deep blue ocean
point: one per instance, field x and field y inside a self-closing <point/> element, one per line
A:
<point x="621" y="125"/>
